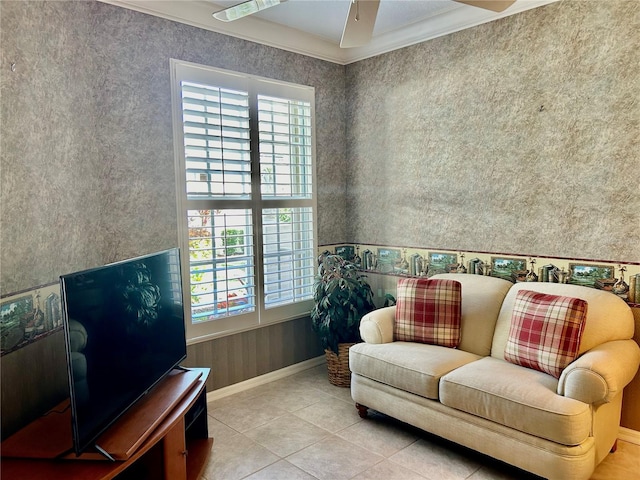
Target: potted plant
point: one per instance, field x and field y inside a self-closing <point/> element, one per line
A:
<point x="342" y="296"/>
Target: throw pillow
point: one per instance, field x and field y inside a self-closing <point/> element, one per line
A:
<point x="545" y="331"/>
<point x="428" y="311"/>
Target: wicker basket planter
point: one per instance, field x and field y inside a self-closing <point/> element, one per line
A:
<point x="338" y="365"/>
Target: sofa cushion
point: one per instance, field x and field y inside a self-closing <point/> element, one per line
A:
<point x="428" y="311"/>
<point x="545" y="331"/>
<point x="413" y="367"/>
<point x="516" y="397"/>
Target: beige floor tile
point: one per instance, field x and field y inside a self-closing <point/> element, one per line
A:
<point x="247" y="413"/>
<point x="436" y="462"/>
<point x="381" y="435"/>
<point x="218" y="429"/>
<point x="334" y="459"/>
<point x="294" y="397"/>
<point x="243" y="395"/>
<point x="331" y="414"/>
<point x="502" y="472"/>
<point x="342" y="393"/>
<point x="311" y="376"/>
<point x="316" y="377"/>
<point x="281" y="470"/>
<point x="286" y="435"/>
<point x="388" y="470"/>
<point x="236" y="457"/>
<point x="624" y="464"/>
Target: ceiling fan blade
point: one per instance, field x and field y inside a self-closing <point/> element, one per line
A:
<point x="245" y="8"/>
<point x="493" y="5"/>
<point x="358" y="28"/>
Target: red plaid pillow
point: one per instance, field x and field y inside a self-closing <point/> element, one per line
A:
<point x="545" y="331"/>
<point x="428" y="311"/>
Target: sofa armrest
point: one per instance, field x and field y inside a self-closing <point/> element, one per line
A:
<point x="377" y="326"/>
<point x="600" y="374"/>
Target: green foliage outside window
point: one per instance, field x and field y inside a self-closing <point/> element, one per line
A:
<point x="231" y="237"/>
<point x="284" y="215"/>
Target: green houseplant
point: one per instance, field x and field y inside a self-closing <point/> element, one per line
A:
<point x="342" y="296"/>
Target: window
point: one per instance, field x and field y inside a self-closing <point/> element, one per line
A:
<point x="246" y="198"/>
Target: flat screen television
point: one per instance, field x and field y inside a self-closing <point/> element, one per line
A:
<point x="124" y="331"/>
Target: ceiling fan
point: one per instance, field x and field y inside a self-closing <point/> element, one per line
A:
<point x="361" y="18"/>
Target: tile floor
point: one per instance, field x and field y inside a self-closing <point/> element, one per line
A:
<point x="303" y="428"/>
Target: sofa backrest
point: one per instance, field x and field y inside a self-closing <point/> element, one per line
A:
<point x="481" y="300"/>
<point x="608" y="316"/>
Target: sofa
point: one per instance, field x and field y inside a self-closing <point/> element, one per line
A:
<point x="557" y="428"/>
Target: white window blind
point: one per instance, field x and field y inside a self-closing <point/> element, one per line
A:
<point x="246" y="203"/>
<point x="216" y="141"/>
<point x="285" y="147"/>
<point x="288" y="252"/>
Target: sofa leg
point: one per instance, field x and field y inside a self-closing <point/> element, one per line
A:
<point x="614" y="447"/>
<point x="362" y="410"/>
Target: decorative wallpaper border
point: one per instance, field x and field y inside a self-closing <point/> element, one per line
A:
<point x="32" y="314"/>
<point x="28" y="316"/>
<point x="620" y="278"/>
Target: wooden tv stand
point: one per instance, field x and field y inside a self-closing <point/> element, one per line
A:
<point x="165" y="435"/>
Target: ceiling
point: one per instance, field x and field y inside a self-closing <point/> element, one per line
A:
<point x="314" y="27"/>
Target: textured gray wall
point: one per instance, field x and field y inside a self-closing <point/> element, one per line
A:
<point x="87" y="143"/>
<point x="517" y="136"/>
<point x="87" y="165"/>
<point x="447" y="146"/>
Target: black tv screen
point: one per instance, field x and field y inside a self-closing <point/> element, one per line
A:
<point x="124" y="331"/>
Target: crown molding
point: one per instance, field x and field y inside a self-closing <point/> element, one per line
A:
<point x="199" y="14"/>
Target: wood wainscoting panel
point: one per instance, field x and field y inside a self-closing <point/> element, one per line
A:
<point x="242" y="356"/>
<point x="34" y="379"/>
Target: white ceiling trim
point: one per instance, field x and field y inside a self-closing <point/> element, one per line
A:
<point x="199" y="14"/>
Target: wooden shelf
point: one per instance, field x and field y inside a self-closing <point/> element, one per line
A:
<point x="166" y="432"/>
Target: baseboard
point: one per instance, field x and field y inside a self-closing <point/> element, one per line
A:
<point x="266" y="378"/>
<point x="628" y="435"/>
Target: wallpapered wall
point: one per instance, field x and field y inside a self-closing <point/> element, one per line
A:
<point x="87" y="165"/>
<point x="517" y="136"/>
<point x="87" y="140"/>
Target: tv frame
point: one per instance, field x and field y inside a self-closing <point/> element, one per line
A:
<point x="80" y="445"/>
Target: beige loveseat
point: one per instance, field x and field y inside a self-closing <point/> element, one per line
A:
<point x="556" y="428"/>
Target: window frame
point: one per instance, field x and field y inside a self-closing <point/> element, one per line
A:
<point x="255" y="85"/>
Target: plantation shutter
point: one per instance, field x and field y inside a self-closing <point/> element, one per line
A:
<point x="216" y="141"/>
<point x="284" y="127"/>
<point x="285" y="147"/>
<point x="246" y="196"/>
<point x="289" y="259"/>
